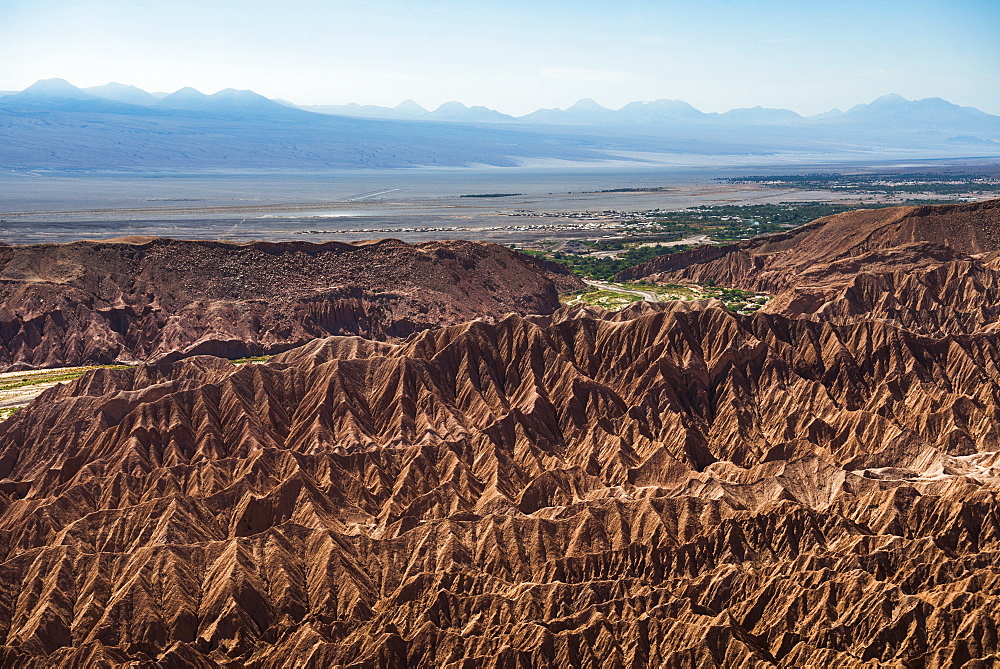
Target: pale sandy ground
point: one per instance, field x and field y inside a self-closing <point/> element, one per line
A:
<point x="41" y="380"/>
<point x="649" y="297"/>
<point x="35" y="383"/>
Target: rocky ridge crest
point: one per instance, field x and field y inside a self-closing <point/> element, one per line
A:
<point x="931" y="269"/>
<point x="143" y="299"/>
<point x="669" y="486"/>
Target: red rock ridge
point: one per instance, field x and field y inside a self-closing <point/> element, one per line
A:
<point x="672" y="485"/>
<point x="142" y="298"/>
<point x="931" y="269"/>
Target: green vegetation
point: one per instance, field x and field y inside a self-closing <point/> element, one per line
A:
<point x="606" y="299"/>
<point x="734" y="299"/>
<point x="253" y="360"/>
<point x="54" y="376"/>
<point x="12" y="383"/>
<point x="881" y="184"/>
<point x="634" y="241"/>
<point x="35" y="380"/>
<point x="671" y="291"/>
<point x="785" y="214"/>
<point x="720" y="223"/>
<point x="740" y="301"/>
<point x="604" y="268"/>
<point x="726" y="223"/>
<point x="644" y="236"/>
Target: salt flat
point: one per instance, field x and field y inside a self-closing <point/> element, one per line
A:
<point x="413" y="204"/>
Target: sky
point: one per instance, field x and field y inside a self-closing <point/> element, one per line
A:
<point x="516" y="55"/>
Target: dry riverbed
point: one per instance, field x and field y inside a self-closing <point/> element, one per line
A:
<point x="615" y="296"/>
<point x="18" y="389"/>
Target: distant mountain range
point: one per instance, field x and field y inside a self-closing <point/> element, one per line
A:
<point x="55" y="124"/>
<point x="59" y="93"/>
<point x="890" y="109"/>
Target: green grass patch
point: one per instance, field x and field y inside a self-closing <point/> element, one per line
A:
<point x="55" y="376"/>
<point x="603" y="269"/>
<point x="668" y="292"/>
<point x="883" y="184"/>
<point x="736" y="299"/>
<point x="608" y="299"/>
<point x="252" y="360"/>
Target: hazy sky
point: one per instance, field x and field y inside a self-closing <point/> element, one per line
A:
<point x="518" y="55"/>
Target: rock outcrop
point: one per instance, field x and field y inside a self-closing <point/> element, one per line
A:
<point x="141" y="299"/>
<point x="672" y="485"/>
<point x="931" y="269"/>
<point x="839" y="244"/>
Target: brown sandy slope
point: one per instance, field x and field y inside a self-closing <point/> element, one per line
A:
<point x="673" y="485"/>
<point x="139" y="299"/>
<point x="932" y="269"/>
